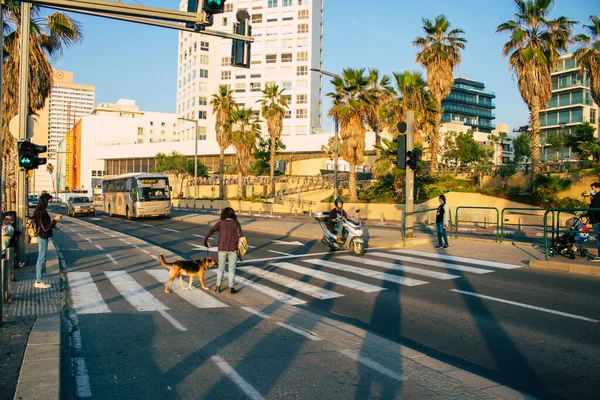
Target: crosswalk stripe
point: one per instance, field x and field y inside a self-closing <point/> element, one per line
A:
<point x="402" y="268"/>
<point x="325" y="276"/>
<point x="267" y="291"/>
<point x="197" y="296"/>
<point x="303" y="287"/>
<point x="433" y="263"/>
<point x="492" y="264"/>
<point x="367" y="272"/>
<point x="85" y="295"/>
<point x="133" y="292"/>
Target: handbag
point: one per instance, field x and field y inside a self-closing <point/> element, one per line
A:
<point x="242" y="247"/>
<point x="32" y="233"/>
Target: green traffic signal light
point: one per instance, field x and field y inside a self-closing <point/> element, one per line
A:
<point x="214" y="6"/>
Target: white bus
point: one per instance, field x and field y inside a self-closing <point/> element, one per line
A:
<point x="137" y="195"/>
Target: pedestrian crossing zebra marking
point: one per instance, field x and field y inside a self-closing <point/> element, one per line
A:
<point x="433" y="263"/>
<point x="291" y="283"/>
<point x="491" y="264"/>
<point x="197" y="296"/>
<point x="367" y="272"/>
<point x="133" y="292"/>
<point x="401" y="268"/>
<point x="267" y="291"/>
<point x="85" y="295"/>
<point x="332" y="278"/>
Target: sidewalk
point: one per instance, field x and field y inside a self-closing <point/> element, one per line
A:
<point x="29" y="350"/>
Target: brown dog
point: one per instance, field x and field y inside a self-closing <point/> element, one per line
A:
<point x="182" y="268"/>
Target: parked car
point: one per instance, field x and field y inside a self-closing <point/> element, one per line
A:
<point x="80" y="205"/>
<point x="32" y="201"/>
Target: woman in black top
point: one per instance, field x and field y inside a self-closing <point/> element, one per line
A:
<point x="43" y="225"/>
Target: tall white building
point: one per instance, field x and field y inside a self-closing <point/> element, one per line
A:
<point x="288" y="42"/>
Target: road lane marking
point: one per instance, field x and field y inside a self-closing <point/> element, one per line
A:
<point x="514" y="303"/>
<point x="155" y="257"/>
<point x="267" y="291"/>
<point x="151" y="226"/>
<point x="292" y="328"/>
<point x="367" y="272"/>
<point x="373" y="365"/>
<point x="79" y="234"/>
<point x="82" y="378"/>
<point x="402" y="268"/>
<point x="171" y="230"/>
<point x="111" y="258"/>
<point x="492" y="264"/>
<point x="306" y="288"/>
<point x="280" y="252"/>
<point x="255" y="312"/>
<point x="433" y="263"/>
<point x="145" y="251"/>
<point x="172" y="320"/>
<point x="237" y="378"/>
<point x="89" y="240"/>
<point x="85" y="295"/>
<point x="200" y="236"/>
<point x="99" y="247"/>
<point x="295" y="256"/>
<point x="332" y="278"/>
<point x="197" y="296"/>
<point x="133" y="292"/>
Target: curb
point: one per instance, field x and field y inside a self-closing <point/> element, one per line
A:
<point x="565" y="267"/>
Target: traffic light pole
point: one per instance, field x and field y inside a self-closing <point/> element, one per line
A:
<point x="409" y="202"/>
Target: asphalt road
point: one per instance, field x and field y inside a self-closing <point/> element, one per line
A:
<point x="533" y="330"/>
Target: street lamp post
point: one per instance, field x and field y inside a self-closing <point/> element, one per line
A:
<point x="336" y="140"/>
<point x="195" y="155"/>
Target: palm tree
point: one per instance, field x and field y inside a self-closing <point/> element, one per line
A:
<point x="588" y="56"/>
<point x="533" y="49"/>
<point x="380" y="92"/>
<point x="439" y="54"/>
<point x="49" y="36"/>
<point x="223" y="105"/>
<point x="245" y="131"/>
<point x="50" y="169"/>
<point x="273" y="106"/>
<point x="350" y="104"/>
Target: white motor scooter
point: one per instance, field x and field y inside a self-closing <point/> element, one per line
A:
<point x="352" y="234"/>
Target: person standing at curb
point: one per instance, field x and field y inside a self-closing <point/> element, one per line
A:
<point x="441" y="222"/>
<point x="230" y="232"/>
<point x="594" y="217"/>
<point x="44" y="227"/>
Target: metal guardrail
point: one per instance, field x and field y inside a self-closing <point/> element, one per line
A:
<point x="557" y="230"/>
<point x="406" y="215"/>
<point x="502" y="221"/>
<point x="477" y="208"/>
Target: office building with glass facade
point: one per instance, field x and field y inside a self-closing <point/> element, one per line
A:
<point x="471" y="104"/>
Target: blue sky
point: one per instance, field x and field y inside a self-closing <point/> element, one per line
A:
<point x="126" y="60"/>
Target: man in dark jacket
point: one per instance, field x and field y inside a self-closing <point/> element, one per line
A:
<point x="595" y="216"/>
<point x="336" y="219"/>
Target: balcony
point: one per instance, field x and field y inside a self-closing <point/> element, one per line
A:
<point x="468" y="111"/>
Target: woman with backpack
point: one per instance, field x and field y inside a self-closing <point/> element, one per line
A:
<point x="230" y="232"/>
<point x="43" y="226"/>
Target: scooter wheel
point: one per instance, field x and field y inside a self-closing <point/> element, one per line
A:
<point x="572" y="256"/>
<point x="551" y="253"/>
<point x="359" y="248"/>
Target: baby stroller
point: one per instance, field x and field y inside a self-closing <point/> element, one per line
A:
<point x="570" y="242"/>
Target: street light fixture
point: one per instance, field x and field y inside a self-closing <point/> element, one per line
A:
<point x="195" y="155"/>
<point x="336" y="140"/>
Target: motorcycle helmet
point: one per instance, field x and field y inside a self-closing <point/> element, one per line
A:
<point x="338" y="200"/>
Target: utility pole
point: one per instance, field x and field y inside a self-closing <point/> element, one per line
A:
<point x="195" y="155"/>
<point x="409" y="190"/>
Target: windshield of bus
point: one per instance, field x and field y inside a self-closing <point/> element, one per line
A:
<point x="153" y="189"/>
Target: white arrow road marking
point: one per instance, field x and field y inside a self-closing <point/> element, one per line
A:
<point x="197" y="296"/>
<point x="306" y="288"/>
<point x="296" y="243"/>
<point x="325" y="276"/>
<point x="85" y="294"/>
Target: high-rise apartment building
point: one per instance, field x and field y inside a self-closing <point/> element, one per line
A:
<point x="571" y="104"/>
<point x="469" y="103"/>
<point x="288" y="42"/>
<point x="67" y="103"/>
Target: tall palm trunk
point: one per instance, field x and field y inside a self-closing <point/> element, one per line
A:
<point x="377" y="142"/>
<point x="434" y="143"/>
<point x="352" y="183"/>
<point x="221" y="174"/>
<point x="272" y="165"/>
<point x="535" y="139"/>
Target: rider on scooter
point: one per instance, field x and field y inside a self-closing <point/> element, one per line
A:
<point x="336" y="218"/>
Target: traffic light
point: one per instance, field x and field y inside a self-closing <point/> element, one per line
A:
<point x="411" y="159"/>
<point x="240" y="49"/>
<point x="29" y="155"/>
<point x="213" y="6"/>
<point x="400" y="152"/>
<point x="206" y="9"/>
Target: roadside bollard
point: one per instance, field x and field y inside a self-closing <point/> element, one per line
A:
<point x="10" y="257"/>
<point x="485" y="222"/>
<point x="382" y="217"/>
<point x="520" y="225"/>
<point x="295" y="212"/>
<point x="310" y="213"/>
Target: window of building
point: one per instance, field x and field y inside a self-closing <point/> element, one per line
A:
<point x="202" y="101"/>
<point x="255" y="87"/>
<point x="162" y="124"/>
<point x="203" y="87"/>
<point x="287" y="98"/>
<point x="302" y="28"/>
<point x="287" y="16"/>
<point x="302" y="70"/>
<point x="151" y="123"/>
<point x="288" y="3"/>
<point x="140" y="130"/>
<point x="301" y="99"/>
<point x="255" y="73"/>
<point x="257" y="18"/>
<point x="240" y="75"/>
<point x="203" y="73"/>
<point x="302" y="56"/>
<point x="286" y="58"/>
<point x="225" y="75"/>
<point x="272" y="3"/>
<point x="272" y="31"/>
<point x="225" y="61"/>
<point x="270" y="72"/>
<point x="202" y="114"/>
<point x="302" y="130"/>
<point x="240" y="87"/>
<point x="204" y="46"/>
<point x="228" y="7"/>
<point x="271" y="58"/>
<point x="302" y="42"/>
<point x="301" y="113"/>
<point x="286" y="131"/>
<point x="287" y="43"/>
<point x="287" y="30"/>
<point x="287" y="114"/>
<point x="286" y="71"/>
<point x="203" y="59"/>
<point x="302" y="14"/>
<point x="225" y="21"/>
<point x="302" y="84"/>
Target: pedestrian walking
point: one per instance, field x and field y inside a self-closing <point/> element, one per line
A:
<point x="594" y="217"/>
<point x="441" y="222"/>
<point x="230" y="232"/>
<point x="43" y="226"/>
